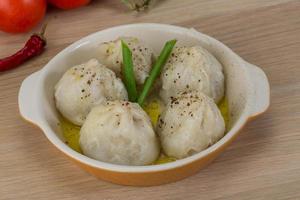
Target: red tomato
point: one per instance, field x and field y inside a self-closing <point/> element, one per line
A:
<point x="18" y="16"/>
<point x="68" y="4"/>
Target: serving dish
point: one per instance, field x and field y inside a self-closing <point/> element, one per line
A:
<point x="247" y="92"/>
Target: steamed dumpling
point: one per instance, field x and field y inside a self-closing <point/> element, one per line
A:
<point x="110" y="54"/>
<point x="84" y="86"/>
<point x="192" y="68"/>
<point x="119" y="132"/>
<point x="189" y="124"/>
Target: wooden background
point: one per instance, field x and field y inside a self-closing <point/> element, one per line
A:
<point x="263" y="163"/>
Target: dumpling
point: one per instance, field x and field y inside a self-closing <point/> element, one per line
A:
<point x="110" y="54"/>
<point x="119" y="132"/>
<point x="189" y="124"/>
<point x="192" y="68"/>
<point x="84" y="86"/>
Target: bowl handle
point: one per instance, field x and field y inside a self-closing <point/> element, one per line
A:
<point x="261" y="100"/>
<point x="27" y="98"/>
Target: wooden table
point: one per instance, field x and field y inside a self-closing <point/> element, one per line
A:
<point x="263" y="163"/>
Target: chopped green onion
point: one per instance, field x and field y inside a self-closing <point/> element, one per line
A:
<point x="161" y="61"/>
<point x="128" y="73"/>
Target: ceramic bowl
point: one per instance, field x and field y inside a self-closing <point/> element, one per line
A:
<point x="247" y="91"/>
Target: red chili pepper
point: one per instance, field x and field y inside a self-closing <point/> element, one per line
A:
<point x="33" y="47"/>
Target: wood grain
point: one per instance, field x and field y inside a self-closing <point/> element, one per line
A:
<point x="264" y="162"/>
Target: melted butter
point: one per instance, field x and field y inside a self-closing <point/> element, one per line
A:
<point x="163" y="159"/>
<point x="153" y="108"/>
<point x="71" y="134"/>
<point x="223" y="107"/>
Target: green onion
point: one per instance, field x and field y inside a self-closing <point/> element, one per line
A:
<point x="128" y="73"/>
<point x="161" y="61"/>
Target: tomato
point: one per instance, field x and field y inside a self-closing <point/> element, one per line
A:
<point x="68" y="4"/>
<point x="18" y="16"/>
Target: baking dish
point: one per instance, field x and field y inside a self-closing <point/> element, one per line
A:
<point x="247" y="91"/>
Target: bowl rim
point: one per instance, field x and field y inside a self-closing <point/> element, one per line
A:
<point x="54" y="139"/>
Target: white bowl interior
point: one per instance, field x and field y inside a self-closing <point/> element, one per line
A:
<point x="154" y="35"/>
